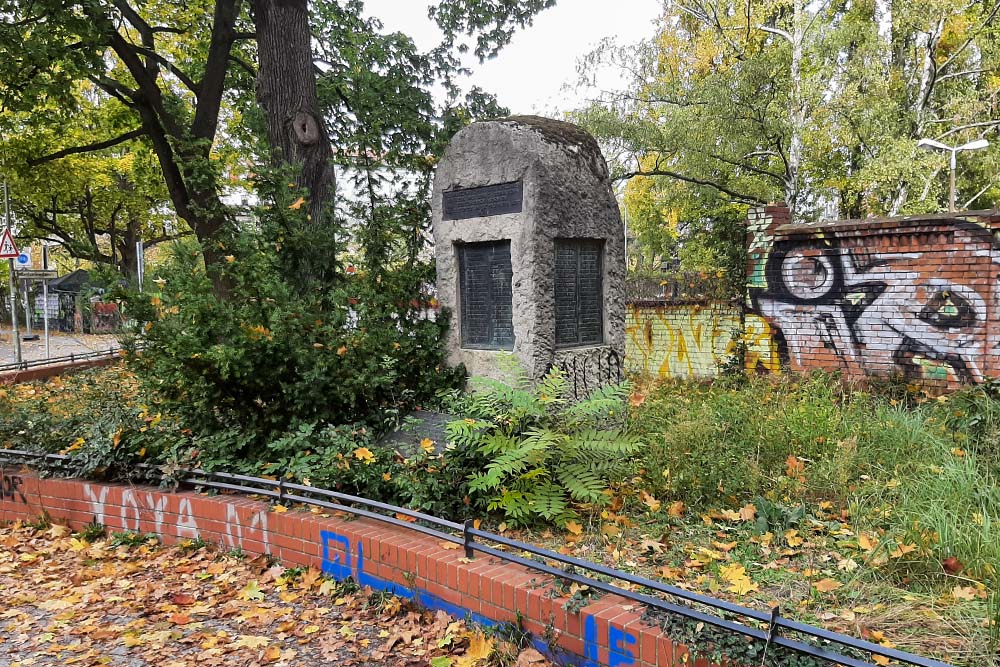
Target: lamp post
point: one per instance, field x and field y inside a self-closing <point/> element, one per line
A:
<point x="932" y="145"/>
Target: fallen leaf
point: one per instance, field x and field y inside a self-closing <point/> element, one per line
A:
<point x="964" y="593"/>
<point x="826" y="585"/>
<point x="297" y="204"/>
<point x="574" y="527"/>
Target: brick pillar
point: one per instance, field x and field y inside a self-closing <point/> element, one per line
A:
<point x="761" y="222"/>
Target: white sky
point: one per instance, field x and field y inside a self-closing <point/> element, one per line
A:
<point x="531" y="73"/>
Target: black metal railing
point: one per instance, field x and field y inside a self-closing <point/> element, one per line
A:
<point x="588" y="370"/>
<point x="68" y="358"/>
<point x="679" y="287"/>
<point x="826" y="645"/>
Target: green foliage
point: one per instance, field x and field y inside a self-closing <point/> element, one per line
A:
<point x="92" y="532"/>
<point x="130" y="538"/>
<point x="919" y="473"/>
<point x="545" y="454"/>
<point x="810" y="103"/>
<point x="777" y="518"/>
<point x="271" y="358"/>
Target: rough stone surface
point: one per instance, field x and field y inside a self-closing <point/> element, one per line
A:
<point x="567" y="194"/>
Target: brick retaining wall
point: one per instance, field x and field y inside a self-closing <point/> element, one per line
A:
<point x="46" y="372"/>
<point x="606" y="632"/>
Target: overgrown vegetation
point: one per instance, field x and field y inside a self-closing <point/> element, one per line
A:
<point x="870" y="512"/>
<point x="545" y="454"/>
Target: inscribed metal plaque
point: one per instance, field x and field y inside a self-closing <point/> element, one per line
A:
<point x="485" y="286"/>
<point x="483" y="201"/>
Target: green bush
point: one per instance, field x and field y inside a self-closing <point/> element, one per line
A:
<point x="546" y="455"/>
<point x="270" y="358"/>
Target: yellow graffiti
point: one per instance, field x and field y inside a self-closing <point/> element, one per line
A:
<point x="761" y="350"/>
<point x="693" y="341"/>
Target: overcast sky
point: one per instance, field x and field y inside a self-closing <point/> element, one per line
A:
<point x="529" y="75"/>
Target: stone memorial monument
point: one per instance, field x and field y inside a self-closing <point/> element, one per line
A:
<point x="530" y="252"/>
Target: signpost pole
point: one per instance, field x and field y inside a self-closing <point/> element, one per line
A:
<point x="45" y="297"/>
<point x="27" y="310"/>
<point x="10" y="280"/>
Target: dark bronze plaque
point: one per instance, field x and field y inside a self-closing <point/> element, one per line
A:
<point x="485" y="290"/>
<point x="579" y="293"/>
<point x="483" y="202"/>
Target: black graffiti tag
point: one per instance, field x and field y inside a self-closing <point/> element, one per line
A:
<point x="10" y="487"/>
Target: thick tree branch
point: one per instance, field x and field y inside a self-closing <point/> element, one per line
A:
<point x="212" y="84"/>
<point x="985" y="123"/>
<point x="737" y="196"/>
<point x="173" y="69"/>
<point x="96" y="146"/>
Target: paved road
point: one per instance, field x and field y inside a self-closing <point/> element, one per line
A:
<point x="60" y="344"/>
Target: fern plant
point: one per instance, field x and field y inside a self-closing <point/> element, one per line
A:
<point x="547" y="455"/>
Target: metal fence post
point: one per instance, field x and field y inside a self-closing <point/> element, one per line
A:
<point x="470" y="551"/>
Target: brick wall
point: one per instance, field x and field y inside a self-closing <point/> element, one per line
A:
<point x="46" y="372"/>
<point x="692" y="340"/>
<point x="606" y="632"/>
<point x="915" y="297"/>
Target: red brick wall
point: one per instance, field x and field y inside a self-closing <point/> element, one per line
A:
<point x="915" y="297"/>
<point x="605" y="632"/>
<point x="45" y="372"/>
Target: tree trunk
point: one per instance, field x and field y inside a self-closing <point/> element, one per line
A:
<point x="286" y="89"/>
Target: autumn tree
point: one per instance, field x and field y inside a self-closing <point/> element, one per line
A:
<point x="176" y="68"/>
<point x="817" y="104"/>
<point x="96" y="205"/>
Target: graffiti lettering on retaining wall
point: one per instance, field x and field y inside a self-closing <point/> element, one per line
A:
<point x="913" y="302"/>
<point x="691" y="341"/>
<point x="154" y="508"/>
<point x="342" y="559"/>
<point x="10" y="487"/>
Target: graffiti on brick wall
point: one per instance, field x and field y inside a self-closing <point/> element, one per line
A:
<point x="161" y="513"/>
<point x="10" y="487"/>
<point x="691" y="341"/>
<point x="343" y="559"/>
<point x="915" y="302"/>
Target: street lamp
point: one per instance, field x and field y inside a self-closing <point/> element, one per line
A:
<point x="931" y="145"/>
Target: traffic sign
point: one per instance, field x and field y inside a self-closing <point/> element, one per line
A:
<point x="23" y="260"/>
<point x="37" y="274"/>
<point x="8" y="249"/>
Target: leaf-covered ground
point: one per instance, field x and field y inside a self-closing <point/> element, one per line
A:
<point x="126" y="600"/>
<point x="824" y="571"/>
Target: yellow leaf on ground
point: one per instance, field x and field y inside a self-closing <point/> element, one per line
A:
<point x="902" y="550"/>
<point x="279" y="509"/>
<point x="251" y="641"/>
<point x="742" y="586"/>
<point x="449" y="545"/>
<point x="480" y="648"/>
<point x="827" y="585"/>
<point x="649" y="501"/>
<point x="880" y="660"/>
<point x="964" y="593"/>
<point x="574" y="527"/>
<point x="676" y="508"/>
<point x="732" y="572"/>
<point x="748" y="512"/>
<point x="272" y="654"/>
<point x="866" y="543"/>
